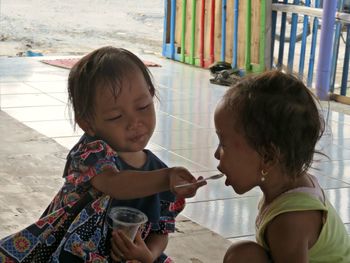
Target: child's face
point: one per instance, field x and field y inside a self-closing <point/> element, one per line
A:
<point x="127" y="122"/>
<point x="237" y="160"/>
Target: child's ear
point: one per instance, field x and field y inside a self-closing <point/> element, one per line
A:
<point x="271" y="156"/>
<point x="86" y="127"/>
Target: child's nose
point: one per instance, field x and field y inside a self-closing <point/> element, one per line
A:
<point x="134" y="122"/>
<point x="217" y="153"/>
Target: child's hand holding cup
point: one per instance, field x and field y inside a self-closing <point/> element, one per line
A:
<point x="126" y="219"/>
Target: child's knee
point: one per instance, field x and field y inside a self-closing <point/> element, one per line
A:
<point x="245" y="251"/>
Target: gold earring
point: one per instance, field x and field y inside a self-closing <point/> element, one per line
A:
<point x="263" y="174"/>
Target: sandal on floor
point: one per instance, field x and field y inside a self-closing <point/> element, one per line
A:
<point x="226" y="77"/>
<point x="219" y="66"/>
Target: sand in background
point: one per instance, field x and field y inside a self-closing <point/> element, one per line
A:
<point x="67" y="27"/>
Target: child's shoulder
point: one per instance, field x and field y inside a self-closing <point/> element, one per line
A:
<point x="90" y="149"/>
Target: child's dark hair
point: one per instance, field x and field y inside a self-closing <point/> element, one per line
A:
<point x="104" y="67"/>
<point x="278" y="116"/>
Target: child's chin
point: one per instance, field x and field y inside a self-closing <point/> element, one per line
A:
<point x="138" y="147"/>
<point x="135" y="149"/>
<point x="238" y="190"/>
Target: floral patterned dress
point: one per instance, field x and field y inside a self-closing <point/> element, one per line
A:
<point x="74" y="227"/>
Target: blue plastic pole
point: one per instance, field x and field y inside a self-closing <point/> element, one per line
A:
<point x="165" y="27"/>
<point x="273" y="33"/>
<point x="344" y="80"/>
<point x="282" y="37"/>
<point x="335" y="54"/>
<point x="325" y="57"/>
<point x="172" y="28"/>
<point x="336" y="48"/>
<point x="293" y="33"/>
<point x="310" y="74"/>
<point x="303" y="43"/>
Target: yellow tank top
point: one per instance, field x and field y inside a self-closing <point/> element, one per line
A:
<point x="333" y="244"/>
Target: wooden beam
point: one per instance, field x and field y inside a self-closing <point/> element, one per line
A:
<point x="339" y="98"/>
<point x="343" y="17"/>
<point x="301" y="10"/>
<point x="309" y="11"/>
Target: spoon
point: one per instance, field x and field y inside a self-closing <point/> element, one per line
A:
<point x="213" y="177"/>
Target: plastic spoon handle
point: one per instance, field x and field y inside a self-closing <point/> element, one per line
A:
<point x="215" y="176"/>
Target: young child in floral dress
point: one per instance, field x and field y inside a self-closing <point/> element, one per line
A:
<point x="111" y="93"/>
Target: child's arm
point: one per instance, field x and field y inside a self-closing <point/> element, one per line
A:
<point x="291" y="235"/>
<point x="156" y="243"/>
<point x="136" y="184"/>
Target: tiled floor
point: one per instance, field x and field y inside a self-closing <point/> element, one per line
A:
<point x="35" y="94"/>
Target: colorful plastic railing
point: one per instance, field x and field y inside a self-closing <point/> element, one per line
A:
<point x="197" y="32"/>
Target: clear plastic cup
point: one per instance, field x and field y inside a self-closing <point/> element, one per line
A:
<point x="127" y="219"/>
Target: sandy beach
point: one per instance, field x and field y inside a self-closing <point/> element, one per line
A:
<point x="66" y="27"/>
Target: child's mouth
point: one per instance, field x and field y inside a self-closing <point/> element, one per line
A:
<point x="227" y="183"/>
<point x="138" y="138"/>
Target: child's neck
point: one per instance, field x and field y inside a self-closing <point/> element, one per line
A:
<point x="134" y="159"/>
<point x="272" y="191"/>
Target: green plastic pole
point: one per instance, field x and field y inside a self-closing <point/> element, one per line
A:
<point x="183" y="30"/>
<point x="262" y="35"/>
<point x="261" y="66"/>
<point x="248" y="36"/>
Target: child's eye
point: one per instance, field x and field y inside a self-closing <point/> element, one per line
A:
<point x="144" y="107"/>
<point x="114" y="118"/>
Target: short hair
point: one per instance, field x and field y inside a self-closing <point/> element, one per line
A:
<point x="104" y="67"/>
<point x="278" y="116"/>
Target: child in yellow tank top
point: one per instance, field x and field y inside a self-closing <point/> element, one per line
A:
<point x="268" y="126"/>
